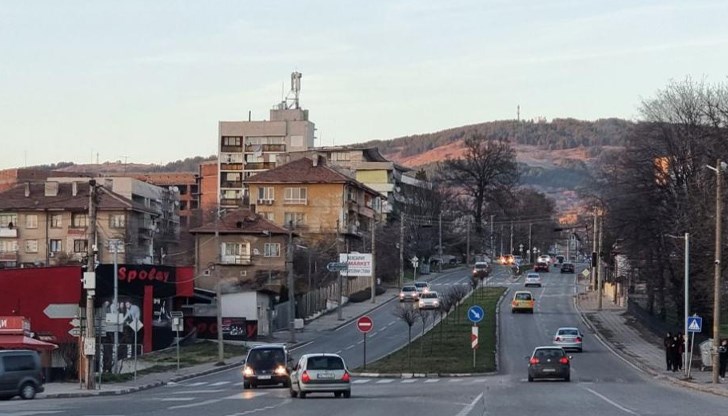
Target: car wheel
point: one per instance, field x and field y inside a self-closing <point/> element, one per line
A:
<point x="246" y="384"/>
<point x="27" y="391"/>
<point x="337" y="394"/>
<point x="530" y="379"/>
<point x="302" y="395"/>
<point x="347" y="394"/>
<point x="293" y="393"/>
<point x="253" y="386"/>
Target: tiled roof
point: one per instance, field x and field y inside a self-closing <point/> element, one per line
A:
<point x="15" y="199"/>
<point x="301" y="171"/>
<point x="241" y="221"/>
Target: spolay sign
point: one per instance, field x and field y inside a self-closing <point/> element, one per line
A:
<point x="360" y="264"/>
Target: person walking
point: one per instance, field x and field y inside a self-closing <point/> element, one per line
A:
<point x="722" y="358"/>
<point x="666" y="343"/>
<point x="675" y="353"/>
<point x="681" y="350"/>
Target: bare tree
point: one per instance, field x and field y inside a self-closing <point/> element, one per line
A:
<point x="425" y="317"/>
<point x="458" y="293"/>
<point x="408" y="315"/>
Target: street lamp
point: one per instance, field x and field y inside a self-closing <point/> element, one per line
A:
<point x="686" y="302"/>
<point x="719" y="168"/>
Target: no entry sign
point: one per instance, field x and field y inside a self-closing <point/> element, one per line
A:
<point x="364" y="324"/>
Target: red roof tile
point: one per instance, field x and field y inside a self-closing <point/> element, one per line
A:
<point x="15" y="199"/>
<point x="241" y="221"/>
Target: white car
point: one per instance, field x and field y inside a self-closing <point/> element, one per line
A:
<point x="569" y="338"/>
<point x="429" y="300"/>
<point x="320" y="373"/>
<point x="532" y="279"/>
<point x="422" y="287"/>
<point x="544" y="258"/>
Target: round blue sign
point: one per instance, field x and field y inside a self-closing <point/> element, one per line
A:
<point x="476" y="314"/>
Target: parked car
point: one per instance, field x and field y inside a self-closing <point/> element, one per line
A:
<point x="522" y="301"/>
<point x="567" y="268"/>
<point x="569" y="338"/>
<point x="549" y="362"/>
<point x="20" y="374"/>
<point x="481" y="269"/>
<point x="267" y="364"/>
<point x="429" y="300"/>
<point x="532" y="279"/>
<point x="320" y="373"/>
<point x="422" y="287"/>
<point x="541" y="267"/>
<point x="408" y="293"/>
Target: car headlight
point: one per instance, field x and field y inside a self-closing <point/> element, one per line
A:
<point x="248" y="371"/>
<point x="435" y="303"/>
<point x="280" y="371"/>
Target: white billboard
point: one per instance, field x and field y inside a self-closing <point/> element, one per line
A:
<point x="359" y="264"/>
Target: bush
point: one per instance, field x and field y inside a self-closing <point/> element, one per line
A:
<point x="366" y="294"/>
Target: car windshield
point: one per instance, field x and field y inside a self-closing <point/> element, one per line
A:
<point x="568" y="332"/>
<point x="266" y="357"/>
<point x="549" y="353"/>
<point x="430" y="295"/>
<point x="420" y="285"/>
<point x="409" y="289"/>
<point x="481" y="266"/>
<point x="325" y="363"/>
<point x="523" y="296"/>
<point x="532" y="276"/>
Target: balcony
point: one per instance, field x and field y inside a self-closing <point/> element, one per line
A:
<point x="8" y="232"/>
<point x="231" y="166"/>
<point x="242" y="260"/>
<point x="8" y="256"/>
<point x="231" y="149"/>
<point x="251" y="148"/>
<point x="259" y="165"/>
<point x="231" y="184"/>
<point x="230" y="202"/>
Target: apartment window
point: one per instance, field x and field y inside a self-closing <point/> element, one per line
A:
<point x="115" y="242"/>
<point x="235" y="253"/>
<point x="7" y="220"/>
<point x="31" y="246"/>
<point x="56" y="220"/>
<point x="266" y="193"/>
<point x="8" y="246"/>
<point x="295" y="196"/>
<point x="56" y="246"/>
<point x="232" y="141"/>
<point x="80" y="246"/>
<point x="267" y="215"/>
<point x="272" y="250"/>
<point x="79" y="220"/>
<point x="340" y="156"/>
<point x="31" y="221"/>
<point x="117" y="220"/>
<point x="294" y="218"/>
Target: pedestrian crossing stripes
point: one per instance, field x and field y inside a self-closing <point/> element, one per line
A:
<point x="230" y="384"/>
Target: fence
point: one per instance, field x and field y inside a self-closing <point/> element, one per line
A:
<point x="318" y="300"/>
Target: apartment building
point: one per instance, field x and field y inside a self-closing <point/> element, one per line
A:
<point x="185" y="183"/>
<point x="14" y="176"/>
<point x="208" y="195"/>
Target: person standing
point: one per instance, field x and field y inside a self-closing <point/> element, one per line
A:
<point x="668" y="355"/>
<point x="681" y="350"/>
<point x="675" y="353"/>
<point x="722" y="358"/>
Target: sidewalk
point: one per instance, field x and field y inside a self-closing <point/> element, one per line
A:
<point x="625" y="336"/>
<point x="313" y="329"/>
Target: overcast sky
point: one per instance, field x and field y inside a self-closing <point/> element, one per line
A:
<point x="147" y="81"/>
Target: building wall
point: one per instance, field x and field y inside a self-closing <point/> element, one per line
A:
<point x="324" y="206"/>
<point x="240" y="305"/>
<point x="208" y="187"/>
<point x="11" y="177"/>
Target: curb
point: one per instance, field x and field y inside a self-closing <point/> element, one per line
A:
<point x="641" y="366"/>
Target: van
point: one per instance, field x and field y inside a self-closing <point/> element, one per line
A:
<point x="267" y="364"/>
<point x="20" y="374"/>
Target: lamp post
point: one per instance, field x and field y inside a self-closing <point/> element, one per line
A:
<point x="686" y="303"/>
<point x="718" y="169"/>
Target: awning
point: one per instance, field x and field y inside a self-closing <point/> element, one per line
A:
<point x="14" y="342"/>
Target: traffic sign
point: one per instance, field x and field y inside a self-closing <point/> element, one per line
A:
<point x="474" y="337"/>
<point x="695" y="324"/>
<point x="75" y="322"/>
<point x="61" y="310"/>
<point x="585" y="273"/>
<point x="336" y="266"/>
<point x="476" y="314"/>
<point x="136" y="325"/>
<point x="75" y="332"/>
<point x="364" y="324"/>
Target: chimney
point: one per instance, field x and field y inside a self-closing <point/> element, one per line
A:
<point x="315" y="160"/>
<point x="27" y="189"/>
<point x="74" y="188"/>
<point x="51" y="188"/>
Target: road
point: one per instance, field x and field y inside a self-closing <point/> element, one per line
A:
<point x="602" y="384"/>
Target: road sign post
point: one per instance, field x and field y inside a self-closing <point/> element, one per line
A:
<point x="365" y="324"/>
<point x="474" y="341"/>
<point x="177" y="319"/>
<point x="476" y="314"/>
<point x="694" y="324"/>
<point x="136" y="326"/>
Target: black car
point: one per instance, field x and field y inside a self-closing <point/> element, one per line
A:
<point x="541" y="267"/>
<point x="20" y="374"/>
<point x="549" y="362"/>
<point x="567" y="268"/>
<point x="267" y="365"/>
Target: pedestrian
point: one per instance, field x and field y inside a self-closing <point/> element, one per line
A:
<point x="722" y="357"/>
<point x="681" y="350"/>
<point x="675" y="353"/>
<point x="666" y="343"/>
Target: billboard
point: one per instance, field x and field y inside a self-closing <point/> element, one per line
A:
<point x="359" y="264"/>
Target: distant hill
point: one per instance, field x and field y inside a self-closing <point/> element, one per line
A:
<point x="190" y="164"/>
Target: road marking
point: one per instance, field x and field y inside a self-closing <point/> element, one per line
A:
<point x="432" y="380"/>
<point x="391" y="323"/>
<point x="261" y="409"/>
<point x="362" y="381"/>
<point x="246" y="395"/>
<point x="456" y="380"/>
<point x="360" y="342"/>
<point x="350" y="347"/>
<point x="469" y="407"/>
<point x="34" y="412"/>
<point x="178" y="399"/>
<point x="300" y="346"/>
<point x="241" y="383"/>
<point x="197" y="391"/>
<point x="199" y="383"/>
<point x="220" y="383"/>
<point x="338" y="352"/>
<point x="385" y="381"/>
<point x="613" y="403"/>
<point x="202" y="403"/>
<point x="409" y="380"/>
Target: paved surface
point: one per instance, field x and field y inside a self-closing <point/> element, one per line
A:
<point x="636" y="344"/>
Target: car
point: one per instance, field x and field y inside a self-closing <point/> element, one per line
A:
<point x="541" y="267"/>
<point x="408" y="293"/>
<point x="320" y="373"/>
<point x="20" y="374"/>
<point x="544" y="258"/>
<point x="549" y="362"/>
<point x="422" y="287"/>
<point x="569" y="338"/>
<point x="567" y="268"/>
<point x="517" y="259"/>
<point x="522" y="301"/>
<point x="267" y="364"/>
<point x="532" y="279"/>
<point x="481" y="269"/>
<point x="429" y="300"/>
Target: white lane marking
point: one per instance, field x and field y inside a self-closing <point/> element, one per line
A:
<point x="409" y="380"/>
<point x="338" y="352"/>
<point x="360" y="342"/>
<point x="261" y="409"/>
<point x="366" y="380"/>
<point x="239" y="383"/>
<point x="202" y="403"/>
<point x="34" y="412"/>
<point x="245" y="395"/>
<point x="220" y="383"/>
<point x="385" y="381"/>
<point x="349" y="347"/>
<point x="178" y="399"/>
<point x="469" y="407"/>
<point x="196" y="391"/>
<point x="432" y="380"/>
<point x="199" y="383"/>
<point x="391" y="323"/>
<point x="301" y="346"/>
<point x="613" y="403"/>
<point x="456" y="380"/>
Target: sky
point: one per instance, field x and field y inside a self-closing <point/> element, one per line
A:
<point x="148" y="81"/>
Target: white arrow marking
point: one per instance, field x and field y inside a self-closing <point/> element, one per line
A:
<point x="61" y="310"/>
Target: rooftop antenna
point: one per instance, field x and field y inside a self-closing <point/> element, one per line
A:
<point x="291" y="101"/>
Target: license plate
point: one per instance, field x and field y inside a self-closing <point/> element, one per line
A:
<point x="549" y="370"/>
<point x="263" y="377"/>
<point x="325" y="376"/>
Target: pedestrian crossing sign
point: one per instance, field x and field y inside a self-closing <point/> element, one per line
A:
<point x="695" y="324"/>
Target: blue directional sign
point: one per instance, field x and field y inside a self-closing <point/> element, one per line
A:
<point x="695" y="324"/>
<point x="476" y="314"/>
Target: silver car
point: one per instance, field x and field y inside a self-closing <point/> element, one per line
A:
<point x="429" y="300"/>
<point x="569" y="338"/>
<point x="320" y="373"/>
<point x="409" y="293"/>
<point x="532" y="279"/>
<point x="422" y="287"/>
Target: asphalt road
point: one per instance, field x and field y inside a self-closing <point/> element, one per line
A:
<point x="602" y="384"/>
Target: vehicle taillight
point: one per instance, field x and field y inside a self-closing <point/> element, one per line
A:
<point x="533" y="361"/>
<point x="305" y="378"/>
<point x="564" y="360"/>
<point x="578" y="339"/>
<point x="346" y="377"/>
<point x="558" y="339"/>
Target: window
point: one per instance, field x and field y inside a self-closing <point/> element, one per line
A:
<point x="340" y="156"/>
<point x="294" y="218"/>
<point x="79" y="220"/>
<point x="117" y="220"/>
<point x="295" y="196"/>
<point x="80" y="246"/>
<point x="272" y="250"/>
<point x="8" y="246"/>
<point x="31" y="221"/>
<point x="56" y="220"/>
<point x="19" y="363"/>
<point x="268" y="215"/>
<point x="31" y="246"/>
<point x="115" y="242"/>
<point x="232" y="249"/>
<point x="235" y="253"/>
<point x="232" y="141"/>
<point x="7" y="220"/>
<point x="56" y="246"/>
<point x="266" y="193"/>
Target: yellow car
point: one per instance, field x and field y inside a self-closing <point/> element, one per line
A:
<point x="522" y="301"/>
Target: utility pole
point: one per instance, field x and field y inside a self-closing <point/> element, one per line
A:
<point x="218" y="289"/>
<point x="501" y="240"/>
<point x="492" y="241"/>
<point x="717" y="278"/>
<point x="90" y="339"/>
<point x="530" y="246"/>
<point x="374" y="257"/>
<point x="291" y="289"/>
<point x="511" y="252"/>
<point x="115" y="308"/>
<point x="594" y="255"/>
<point x="339" y="312"/>
<point x="440" y="242"/>
<point x="401" y="249"/>
<point x="686" y="302"/>
<point x="467" y="244"/>
<point x="599" y="263"/>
